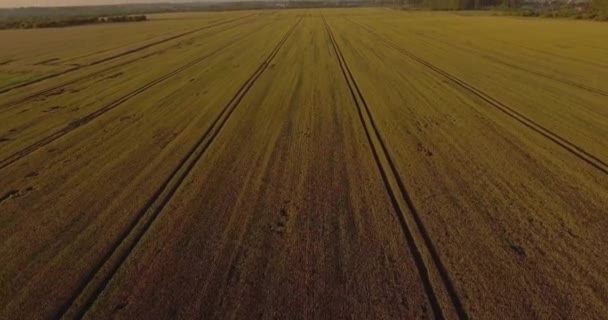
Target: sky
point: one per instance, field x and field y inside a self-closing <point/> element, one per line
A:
<point x="52" y="3"/>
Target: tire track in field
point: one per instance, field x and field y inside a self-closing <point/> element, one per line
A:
<point x="65" y="62"/>
<point x="565" y="57"/>
<point x="531" y="124"/>
<point x="94" y="115"/>
<point x="489" y="57"/>
<point x="98" y="279"/>
<point x="401" y="200"/>
<point x="119" y="55"/>
<point x="54" y="88"/>
<point x="546" y="75"/>
<point x="49" y="91"/>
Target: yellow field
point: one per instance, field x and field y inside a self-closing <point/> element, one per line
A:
<point x="326" y="164"/>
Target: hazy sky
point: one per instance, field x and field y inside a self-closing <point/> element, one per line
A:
<point x="51" y="3"/>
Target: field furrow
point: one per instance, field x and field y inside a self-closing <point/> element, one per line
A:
<point x="34" y="127"/>
<point x="492" y="193"/>
<point x="256" y="209"/>
<point x="141" y="158"/>
<point x="572" y="114"/>
<point x="399" y="194"/>
<point x="94" y="58"/>
<point x="85" y="76"/>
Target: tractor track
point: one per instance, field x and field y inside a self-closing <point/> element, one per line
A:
<point x="531" y="124"/>
<point x="564" y="57"/>
<point x="400" y="198"/>
<point x="546" y="75"/>
<point x="66" y="62"/>
<point x="489" y="57"/>
<point x="94" y="63"/>
<point x="94" y="115"/>
<point x="98" y="279"/>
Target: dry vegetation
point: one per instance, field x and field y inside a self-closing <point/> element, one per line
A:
<point x="362" y="163"/>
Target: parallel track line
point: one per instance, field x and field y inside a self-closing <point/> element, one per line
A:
<point x="392" y="173"/>
<point x="97" y="280"/>
<point x="557" y="139"/>
<point x="116" y="56"/>
<point x="94" y="115"/>
<point x="546" y="75"/>
<point x="483" y="53"/>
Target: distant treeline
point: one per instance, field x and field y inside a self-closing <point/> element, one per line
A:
<point x="49" y="17"/>
<point x="123" y="19"/>
<point x="592" y="10"/>
<point x="40" y="17"/>
<point x="169" y="6"/>
<point x="150" y="8"/>
<point x="59" y="22"/>
<point x="586" y="9"/>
